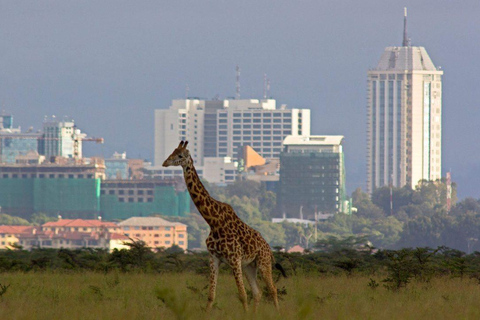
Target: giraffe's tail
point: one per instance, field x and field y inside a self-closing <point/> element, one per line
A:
<point x="279" y="267"/>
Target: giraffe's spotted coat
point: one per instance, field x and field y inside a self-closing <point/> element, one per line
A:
<point x="230" y="240"/>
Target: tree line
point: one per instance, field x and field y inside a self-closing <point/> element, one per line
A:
<point x="389" y="218"/>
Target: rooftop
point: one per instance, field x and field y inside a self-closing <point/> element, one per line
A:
<point x="405" y="59"/>
<point x="149" y="221"/>
<point x="78" y="223"/>
<point x="313" y="140"/>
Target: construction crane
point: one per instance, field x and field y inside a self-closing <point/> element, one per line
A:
<point x="76" y="143"/>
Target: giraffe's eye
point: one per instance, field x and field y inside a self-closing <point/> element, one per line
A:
<point x="180" y="156"/>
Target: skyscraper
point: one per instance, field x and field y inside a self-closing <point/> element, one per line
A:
<point x="404" y="135"/>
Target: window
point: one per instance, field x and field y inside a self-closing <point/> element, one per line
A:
<point x="126" y="228"/>
<point x="181" y="243"/>
<point x="130" y="192"/>
<point x="140" y="192"/>
<point x="121" y="199"/>
<point x="181" y="235"/>
<point x="121" y="191"/>
<point x="150" y="200"/>
<point x="167" y="242"/>
<point x="167" y="228"/>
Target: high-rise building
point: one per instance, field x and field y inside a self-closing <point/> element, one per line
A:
<point x="13" y="142"/>
<point x="404" y="118"/>
<point x="218" y="128"/>
<point x="61" y="138"/>
<point x="312" y="176"/>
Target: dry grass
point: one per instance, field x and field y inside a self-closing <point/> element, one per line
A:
<point x="182" y="296"/>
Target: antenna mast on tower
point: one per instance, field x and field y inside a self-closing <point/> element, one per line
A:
<point x="406" y="42"/>
<point x="264" y="86"/>
<point x="237" y="82"/>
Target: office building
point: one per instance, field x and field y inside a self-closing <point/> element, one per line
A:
<point x="219" y="128"/>
<point x="61" y="138"/>
<point x="312" y="177"/>
<point x="13" y="142"/>
<point x="404" y="118"/>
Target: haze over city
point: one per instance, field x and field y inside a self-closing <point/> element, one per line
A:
<point x="109" y="65"/>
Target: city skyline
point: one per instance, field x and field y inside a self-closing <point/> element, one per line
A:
<point x="111" y="66"/>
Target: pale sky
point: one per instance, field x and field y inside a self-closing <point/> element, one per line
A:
<point x="110" y="64"/>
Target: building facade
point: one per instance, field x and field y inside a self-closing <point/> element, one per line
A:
<point x="61" y="138"/>
<point x="218" y="128"/>
<point x="312" y="177"/>
<point x="13" y="142"/>
<point x="404" y="114"/>
<point x="156" y="232"/>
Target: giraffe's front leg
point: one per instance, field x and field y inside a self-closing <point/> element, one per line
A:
<point x="214" y="265"/>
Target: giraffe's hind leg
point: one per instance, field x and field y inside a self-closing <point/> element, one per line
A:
<point x="251" y="274"/>
<point x="214" y="265"/>
<point x="237" y="272"/>
<point x="265" y="266"/>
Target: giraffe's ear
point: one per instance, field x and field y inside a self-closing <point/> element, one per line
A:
<point x="185" y="145"/>
<point x="180" y="145"/>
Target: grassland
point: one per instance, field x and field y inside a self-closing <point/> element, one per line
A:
<point x="90" y="295"/>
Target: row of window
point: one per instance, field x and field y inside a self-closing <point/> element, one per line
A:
<point x="129" y="192"/>
<point x="145" y="228"/>
<point x="258" y="114"/>
<point x="44" y="175"/>
<point x="120" y="199"/>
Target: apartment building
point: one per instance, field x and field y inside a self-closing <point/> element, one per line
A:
<point x="9" y="235"/>
<point x="156" y="232"/>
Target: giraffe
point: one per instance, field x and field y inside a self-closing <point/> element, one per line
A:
<point x="230" y="240"/>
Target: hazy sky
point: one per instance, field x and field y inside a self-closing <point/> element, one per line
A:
<point x="110" y="64"/>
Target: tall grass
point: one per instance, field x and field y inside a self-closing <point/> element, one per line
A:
<point x="49" y="295"/>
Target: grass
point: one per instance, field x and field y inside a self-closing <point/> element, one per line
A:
<point x="50" y="295"/>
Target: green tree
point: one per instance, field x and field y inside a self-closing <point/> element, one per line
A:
<point x="40" y="218"/>
<point x="8" y="220"/>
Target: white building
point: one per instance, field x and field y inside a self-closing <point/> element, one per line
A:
<point x="61" y="138"/>
<point x="404" y="118"/>
<point x="217" y="128"/>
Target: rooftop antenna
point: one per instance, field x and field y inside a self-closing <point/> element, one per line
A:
<point x="406" y="42"/>
<point x="268" y="87"/>
<point x="237" y="82"/>
<point x="264" y="86"/>
<point x="187" y="89"/>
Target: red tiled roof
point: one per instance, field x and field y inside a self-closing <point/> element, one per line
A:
<point x="16" y="229"/>
<point x="296" y="248"/>
<point x="79" y="223"/>
<point x="118" y="236"/>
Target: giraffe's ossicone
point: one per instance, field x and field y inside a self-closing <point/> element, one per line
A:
<point x="230" y="240"/>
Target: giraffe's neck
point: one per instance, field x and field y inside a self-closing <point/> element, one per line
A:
<point x="200" y="196"/>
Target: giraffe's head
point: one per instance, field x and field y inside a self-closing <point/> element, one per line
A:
<point x="179" y="156"/>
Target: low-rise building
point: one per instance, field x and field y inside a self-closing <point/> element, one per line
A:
<point x="73" y="240"/>
<point x="9" y="235"/>
<point x="156" y="232"/>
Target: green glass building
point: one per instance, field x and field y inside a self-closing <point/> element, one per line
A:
<point x="312" y="177"/>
